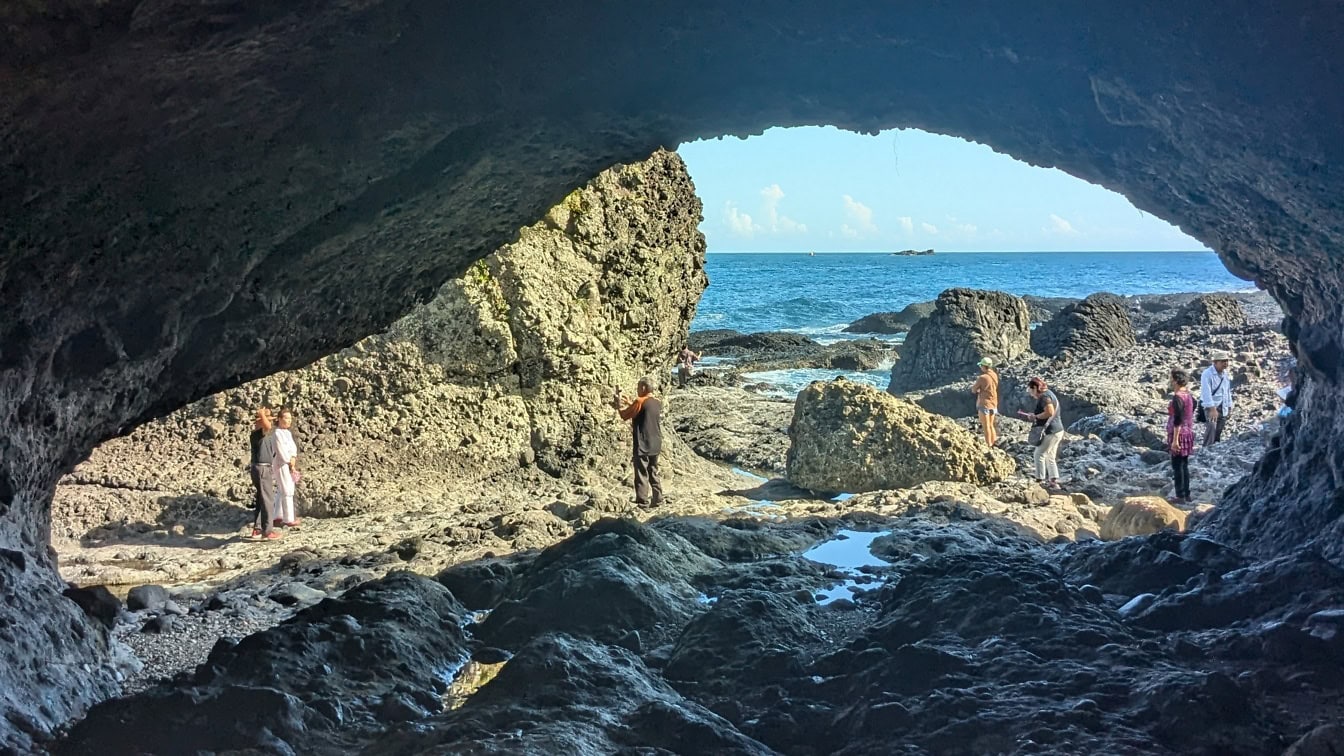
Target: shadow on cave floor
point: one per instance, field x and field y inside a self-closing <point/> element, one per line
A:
<point x="189" y="520"/>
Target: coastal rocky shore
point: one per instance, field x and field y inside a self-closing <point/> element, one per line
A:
<point x="847" y="571"/>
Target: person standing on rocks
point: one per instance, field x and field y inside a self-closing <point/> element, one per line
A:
<point x="645" y="415"/>
<point x="1047" y="425"/>
<point x="1215" y="395"/>
<point x="986" y="390"/>
<point x="284" y="468"/>
<point x="1181" y="434"/>
<point x="686" y="365"/>
<point x="263" y="451"/>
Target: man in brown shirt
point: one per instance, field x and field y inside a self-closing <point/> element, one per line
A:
<point x="645" y="414"/>
<point x="986" y="390"/>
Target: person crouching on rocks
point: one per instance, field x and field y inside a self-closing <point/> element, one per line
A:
<point x="284" y="467"/>
<point x="263" y="450"/>
<point x="1048" y="430"/>
<point x="645" y="414"/>
<point x="986" y="390"/>
<point x="686" y="365"/>
<point x="1181" y="433"/>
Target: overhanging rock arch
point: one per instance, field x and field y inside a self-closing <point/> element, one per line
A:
<point x="194" y="194"/>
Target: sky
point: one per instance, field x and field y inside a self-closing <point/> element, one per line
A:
<point x="819" y="188"/>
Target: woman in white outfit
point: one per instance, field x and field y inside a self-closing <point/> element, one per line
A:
<point x="284" y="467"/>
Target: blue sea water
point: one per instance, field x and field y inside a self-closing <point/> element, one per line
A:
<point x="819" y="295"/>
<point x="822" y="294"/>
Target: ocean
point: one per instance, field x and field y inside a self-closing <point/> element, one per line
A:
<point x="819" y="295"/>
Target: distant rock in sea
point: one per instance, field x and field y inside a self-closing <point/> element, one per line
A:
<point x="912" y="253"/>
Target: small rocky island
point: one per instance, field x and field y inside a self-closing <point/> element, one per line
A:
<point x="912" y="253"/>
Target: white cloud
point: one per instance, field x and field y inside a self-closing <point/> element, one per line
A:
<point x="778" y="222"/>
<point x="907" y="224"/>
<point x="772" y="221"/>
<point x="929" y="228"/>
<point x="858" y="219"/>
<point x="739" y="223"/>
<point x="1060" y="226"/>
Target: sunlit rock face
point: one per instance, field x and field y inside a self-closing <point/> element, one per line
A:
<point x="192" y="195"/>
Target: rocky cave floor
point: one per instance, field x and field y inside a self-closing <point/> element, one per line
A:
<point x="745" y="616"/>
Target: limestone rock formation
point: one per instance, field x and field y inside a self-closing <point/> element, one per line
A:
<point x="850" y="437"/>
<point x="1099" y="323"/>
<point x="892" y="322"/>
<point x="1208" y="313"/>
<point x="511" y="363"/>
<point x="1141" y="515"/>
<point x="965" y="326"/>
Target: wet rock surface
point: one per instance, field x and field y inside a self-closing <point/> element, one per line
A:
<point x="851" y="437"/>
<point x="778" y="350"/>
<point x="968" y="636"/>
<point x="965" y="326"/>
<point x="892" y="322"/>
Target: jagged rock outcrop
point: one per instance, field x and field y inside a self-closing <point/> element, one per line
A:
<point x="1099" y="323"/>
<point x="509" y="365"/>
<point x="892" y="322"/>
<point x="142" y="272"/>
<point x="849" y="437"/>
<point x="1208" y="313"/>
<point x="965" y="326"/>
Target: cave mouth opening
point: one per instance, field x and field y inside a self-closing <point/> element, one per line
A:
<point x="1176" y="106"/>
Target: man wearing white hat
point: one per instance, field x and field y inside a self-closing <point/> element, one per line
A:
<point x="1215" y="394"/>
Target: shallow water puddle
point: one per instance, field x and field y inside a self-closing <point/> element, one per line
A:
<point x="849" y="552"/>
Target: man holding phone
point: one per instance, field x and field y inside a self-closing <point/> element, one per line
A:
<point x="645" y="414"/>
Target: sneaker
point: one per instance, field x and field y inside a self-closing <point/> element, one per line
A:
<point x="256" y="533"/>
<point x="293" y="524"/>
<point x="273" y="536"/>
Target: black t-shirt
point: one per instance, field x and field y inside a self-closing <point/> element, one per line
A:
<point x="256" y="437"/>
<point x="1054" y="424"/>
<point x="647" y="427"/>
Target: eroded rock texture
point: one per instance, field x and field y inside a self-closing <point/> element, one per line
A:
<point x="511" y="363"/>
<point x="851" y="437"/>
<point x="1099" y="323"/>
<point x="193" y="195"/>
<point x="965" y="326"/>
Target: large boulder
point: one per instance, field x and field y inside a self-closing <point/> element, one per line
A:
<point x="966" y="325"/>
<point x="1141" y="515"/>
<point x="847" y="436"/>
<point x="1099" y="323"/>
<point x="508" y="365"/>
<point x="892" y="322"/>
<point x="1210" y="313"/>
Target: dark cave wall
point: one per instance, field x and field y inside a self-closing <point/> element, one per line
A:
<point x="193" y="194"/>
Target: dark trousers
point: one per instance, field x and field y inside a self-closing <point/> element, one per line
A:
<point x="1180" y="472"/>
<point x="646" y="478"/>
<point x="683" y="375"/>
<point x="1213" y="430"/>
<point x="265" y="498"/>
